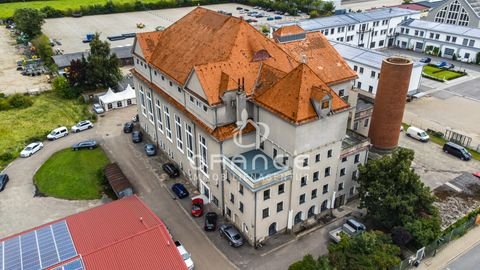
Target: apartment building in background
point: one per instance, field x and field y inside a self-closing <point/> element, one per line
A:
<point x="369" y="29"/>
<point x="449" y="40"/>
<point x="258" y="125"/>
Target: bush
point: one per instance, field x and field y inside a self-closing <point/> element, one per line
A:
<point x="61" y="86"/>
<point x="19" y="101"/>
<point x="6" y="156"/>
<point x="51" y="12"/>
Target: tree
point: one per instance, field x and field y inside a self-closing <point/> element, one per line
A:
<point x="314" y="14"/>
<point x="29" y="21"/>
<point x="61" y="86"/>
<point x="367" y="251"/>
<point x="328" y="8"/>
<point x="102" y="66"/>
<point x="77" y="74"/>
<point x="401" y="236"/>
<point x="309" y="263"/>
<point x="43" y="48"/>
<point x="394" y="196"/>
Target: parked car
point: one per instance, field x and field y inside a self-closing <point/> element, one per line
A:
<point x="185" y="255"/>
<point x="97" y="108"/>
<point x="197" y="207"/>
<point x="137" y="136"/>
<point x="239" y="8"/>
<point x="350" y="228"/>
<point x="210" y="221"/>
<point x="426" y="60"/>
<point x="457" y="150"/>
<point x="89" y="144"/>
<point x="150" y="149"/>
<point x="128" y="127"/>
<point x="278" y="17"/>
<point x="171" y="170"/>
<point x="57" y="133"/>
<point x="31" y="149"/>
<point x="234" y="238"/>
<point x="417" y="133"/>
<point x="477" y="174"/>
<point x="3" y="181"/>
<point x="270" y="19"/>
<point x="82" y="125"/>
<point x="180" y="191"/>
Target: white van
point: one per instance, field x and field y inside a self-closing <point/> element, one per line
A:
<point x="57" y="133"/>
<point x="418" y="134"/>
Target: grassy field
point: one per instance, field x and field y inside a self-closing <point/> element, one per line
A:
<point x="73" y="175"/>
<point x="440" y="73"/>
<point x="7" y="9"/>
<point x="19" y="126"/>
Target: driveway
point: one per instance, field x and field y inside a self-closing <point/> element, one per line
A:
<point x="433" y="165"/>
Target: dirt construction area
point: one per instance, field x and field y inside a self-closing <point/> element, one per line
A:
<point x="11" y="81"/>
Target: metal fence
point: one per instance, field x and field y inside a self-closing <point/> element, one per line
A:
<point x="434" y="247"/>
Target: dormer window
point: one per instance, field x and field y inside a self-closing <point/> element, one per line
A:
<point x="325" y="104"/>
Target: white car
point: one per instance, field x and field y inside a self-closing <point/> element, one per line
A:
<point x="98" y="108"/>
<point x="185" y="255"/>
<point x="31" y="149"/>
<point x="82" y="125"/>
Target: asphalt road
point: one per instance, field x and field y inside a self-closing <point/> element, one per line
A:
<point x="469" y="260"/>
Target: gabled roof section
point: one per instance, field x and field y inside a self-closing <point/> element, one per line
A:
<point x="148" y="42"/>
<point x="317" y="52"/>
<point x="291" y="96"/>
<point x="289" y="30"/>
<point x="213" y="43"/>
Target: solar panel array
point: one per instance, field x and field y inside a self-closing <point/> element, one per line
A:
<point x="73" y="265"/>
<point x="38" y="249"/>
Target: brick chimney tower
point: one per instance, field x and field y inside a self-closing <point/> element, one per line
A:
<point x="390" y="103"/>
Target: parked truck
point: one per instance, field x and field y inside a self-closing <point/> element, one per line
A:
<point x="350" y="228"/>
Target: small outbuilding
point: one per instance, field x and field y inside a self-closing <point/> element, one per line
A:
<point x="112" y="100"/>
<point x="117" y="180"/>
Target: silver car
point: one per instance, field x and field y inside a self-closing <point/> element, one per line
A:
<point x="97" y="108"/>
<point x="234" y="238"/>
<point x="31" y="149"/>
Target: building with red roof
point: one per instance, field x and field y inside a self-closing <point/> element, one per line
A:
<point x="124" y="234"/>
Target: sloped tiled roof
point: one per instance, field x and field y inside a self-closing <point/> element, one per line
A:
<point x="320" y="55"/>
<point x="289" y="30"/>
<point x="291" y="96"/>
<point x="148" y="42"/>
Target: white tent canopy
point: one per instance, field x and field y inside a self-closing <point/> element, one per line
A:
<point x="112" y="100"/>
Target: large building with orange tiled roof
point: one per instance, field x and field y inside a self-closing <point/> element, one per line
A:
<point x="257" y="125"/>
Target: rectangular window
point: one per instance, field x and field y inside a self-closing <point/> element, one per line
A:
<point x="266" y="194"/>
<point x="202" y="144"/>
<point x="262" y="145"/>
<point x="357" y="158"/>
<point x="279" y="207"/>
<point x="314" y="193"/>
<point x="178" y="127"/>
<point x="471" y="43"/>
<point x="447" y="38"/>
<point x="150" y="107"/>
<point x="229" y="212"/>
<point x="317" y="158"/>
<point x="303" y="181"/>
<point x="240" y="188"/>
<point x="240" y="206"/>
<point x="361" y="70"/>
<point x="189" y="137"/>
<point x="355" y="68"/>
<point x="281" y="189"/>
<point x="265" y="213"/>
<point x="355" y="174"/>
<point x="168" y="128"/>
<point x="163" y="78"/>
<point x="344" y="159"/>
<point x="372" y="74"/>
<point x="325" y="188"/>
<point x="315" y="176"/>
<point x="431" y="35"/>
<point x="142" y="100"/>
<point x="179" y="89"/>
<point x="342" y="172"/>
<point x="355" y="125"/>
<point x="170" y="82"/>
<point x="359" y="85"/>
<point x="305" y="162"/>
<point x="437" y="36"/>
<point x="301" y="200"/>
<point x="159" y="116"/>
<point x="275" y="153"/>
<point x="365" y="123"/>
<point x="232" y="198"/>
<point x="340" y="187"/>
<point x="192" y="99"/>
<point x="370" y="89"/>
<point x="329" y="153"/>
<point x="454" y="39"/>
<point x="327" y="171"/>
<point x="341" y="93"/>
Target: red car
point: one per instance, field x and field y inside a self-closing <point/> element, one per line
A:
<point x="197" y="207"/>
<point x="477" y="174"/>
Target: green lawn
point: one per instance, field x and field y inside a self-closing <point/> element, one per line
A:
<point x="440" y="73"/>
<point x="74" y="175"/>
<point x="19" y="126"/>
<point x="7" y="9"/>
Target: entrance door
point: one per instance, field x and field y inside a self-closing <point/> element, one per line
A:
<point x="272" y="229"/>
<point x="205" y="190"/>
<point x="339" y="201"/>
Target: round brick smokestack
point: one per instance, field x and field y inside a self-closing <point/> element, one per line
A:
<point x="390" y="103"/>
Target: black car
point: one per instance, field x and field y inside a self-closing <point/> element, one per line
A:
<point x="426" y="60"/>
<point x="3" y="181"/>
<point x="171" y="170"/>
<point x="128" y="127"/>
<point x="137" y="136"/>
<point x="210" y="221"/>
<point x="90" y="144"/>
<point x="180" y="191"/>
<point x="457" y="150"/>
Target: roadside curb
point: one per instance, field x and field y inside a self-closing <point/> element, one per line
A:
<point x="464" y="251"/>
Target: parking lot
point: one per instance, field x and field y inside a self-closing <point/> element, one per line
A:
<point x="71" y="31"/>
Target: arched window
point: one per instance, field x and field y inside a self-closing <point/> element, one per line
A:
<point x="311" y="211"/>
<point x="324" y="206"/>
<point x="272" y="229"/>
<point x="453" y="14"/>
<point x="298" y="218"/>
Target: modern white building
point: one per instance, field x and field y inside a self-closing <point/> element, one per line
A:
<point x="367" y="64"/>
<point x="259" y="126"/>
<point x="456" y="12"/>
<point x="370" y="29"/>
<point x="446" y="39"/>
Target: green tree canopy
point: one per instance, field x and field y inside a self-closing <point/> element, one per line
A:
<point x="102" y="66"/>
<point x="394" y="196"/>
<point x="43" y="48"/>
<point x="309" y="263"/>
<point x="29" y="21"/>
<point x="367" y="251"/>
